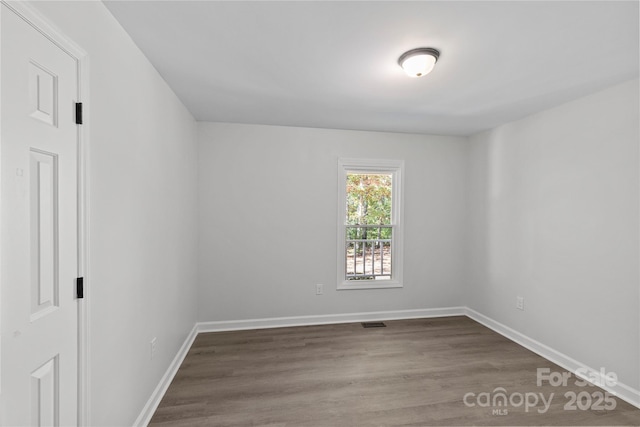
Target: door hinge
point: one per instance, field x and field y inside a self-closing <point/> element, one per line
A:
<point x="80" y="287"/>
<point x="78" y="113"/>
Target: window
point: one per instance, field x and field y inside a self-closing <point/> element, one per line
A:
<point x="369" y="223"/>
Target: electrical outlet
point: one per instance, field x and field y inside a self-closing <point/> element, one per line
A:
<point x="520" y="303"/>
<point x="319" y="289"/>
<point x="153" y="347"/>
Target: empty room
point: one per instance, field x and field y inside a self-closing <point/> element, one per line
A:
<point x="319" y="213"/>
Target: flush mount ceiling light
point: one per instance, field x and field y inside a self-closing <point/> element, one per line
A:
<point x="418" y="62"/>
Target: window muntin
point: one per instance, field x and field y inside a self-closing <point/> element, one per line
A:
<point x="369" y="224"/>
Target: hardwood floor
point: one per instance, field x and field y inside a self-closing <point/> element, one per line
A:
<point x="411" y="373"/>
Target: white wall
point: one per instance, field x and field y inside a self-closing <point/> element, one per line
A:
<point x="268" y="220"/>
<point x="142" y="272"/>
<point x="553" y="217"/>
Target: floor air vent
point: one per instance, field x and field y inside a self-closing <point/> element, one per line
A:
<point x="373" y="325"/>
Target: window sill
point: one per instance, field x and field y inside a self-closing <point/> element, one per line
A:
<point x="369" y="284"/>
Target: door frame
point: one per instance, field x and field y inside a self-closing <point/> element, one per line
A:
<point x="30" y="14"/>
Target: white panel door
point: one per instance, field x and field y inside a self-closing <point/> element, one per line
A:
<point x="39" y="229"/>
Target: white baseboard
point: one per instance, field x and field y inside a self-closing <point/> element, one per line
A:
<point x="623" y="391"/>
<point x="326" y="319"/>
<point x="152" y="404"/>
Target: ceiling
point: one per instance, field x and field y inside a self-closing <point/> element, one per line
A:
<point x="334" y="65"/>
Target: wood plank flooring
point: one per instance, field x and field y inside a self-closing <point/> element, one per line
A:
<point x="411" y="373"/>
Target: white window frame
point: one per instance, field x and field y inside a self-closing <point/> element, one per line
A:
<point x="372" y="166"/>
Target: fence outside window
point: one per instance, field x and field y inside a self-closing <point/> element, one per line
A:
<point x="368" y="252"/>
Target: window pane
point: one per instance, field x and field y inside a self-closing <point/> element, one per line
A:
<point x="370" y="260"/>
<point x="368" y="198"/>
<point x="368" y="252"/>
<point x="368" y="231"/>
